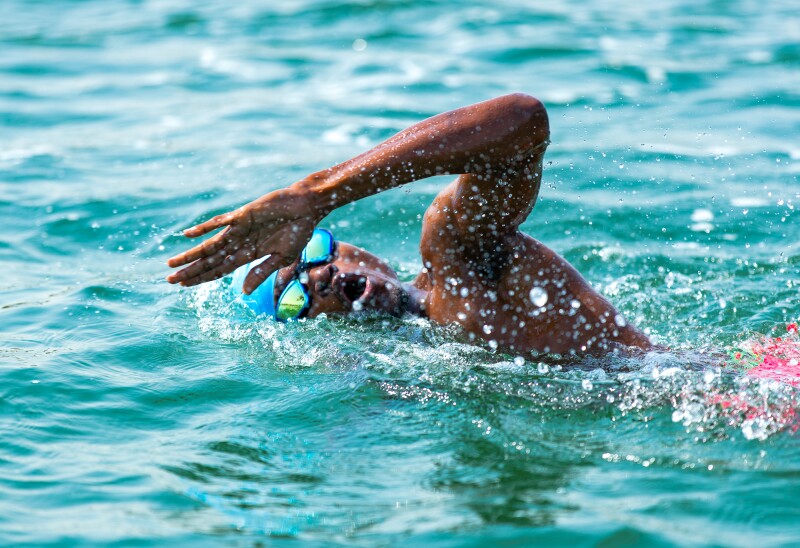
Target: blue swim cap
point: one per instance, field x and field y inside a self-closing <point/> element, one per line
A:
<point x="262" y="300"/>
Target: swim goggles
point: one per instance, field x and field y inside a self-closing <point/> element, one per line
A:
<point x="295" y="300"/>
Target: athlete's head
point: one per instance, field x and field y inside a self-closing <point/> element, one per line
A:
<point x="329" y="277"/>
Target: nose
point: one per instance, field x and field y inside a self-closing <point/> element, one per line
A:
<point x="320" y="278"/>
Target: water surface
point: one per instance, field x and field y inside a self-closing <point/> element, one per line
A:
<point x="134" y="413"/>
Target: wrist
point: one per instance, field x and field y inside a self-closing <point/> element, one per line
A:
<point x="323" y="190"/>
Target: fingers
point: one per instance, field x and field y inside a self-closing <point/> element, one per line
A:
<point x="206" y="276"/>
<point x="215" y="267"/>
<point x="208" y="226"/>
<point x="260" y="273"/>
<point x="277" y="259"/>
<point x="235" y="246"/>
<point x="198" y="267"/>
<point x="206" y="249"/>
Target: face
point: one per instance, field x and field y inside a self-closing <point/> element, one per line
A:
<point x="355" y="280"/>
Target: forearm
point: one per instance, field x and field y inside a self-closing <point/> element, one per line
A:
<point x="487" y="140"/>
<point x="480" y="138"/>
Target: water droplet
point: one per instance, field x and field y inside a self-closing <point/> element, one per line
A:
<point x="493" y="345"/>
<point x="587" y="384"/>
<point x="542" y="368"/>
<point x="464" y="292"/>
<point x="357" y="306"/>
<point x="575" y="303"/>
<point x="519" y="361"/>
<point x="619" y="319"/>
<point x="488" y="329"/>
<point x="538" y="296"/>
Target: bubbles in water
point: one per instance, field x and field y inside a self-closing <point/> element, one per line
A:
<point x="693" y="412"/>
<point x="538" y="296"/>
<point x="464" y="292"/>
<point x="488" y="329"/>
<point x="575" y="303"/>
<point x="587" y="384"/>
<point x="619" y="319"/>
<point x="357" y="306"/>
<point x="542" y="368"/>
<point x="755" y="429"/>
<point x="519" y="361"/>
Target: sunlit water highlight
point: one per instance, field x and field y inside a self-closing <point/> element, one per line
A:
<point x="135" y="413"/>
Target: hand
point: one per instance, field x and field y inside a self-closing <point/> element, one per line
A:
<point x="278" y="224"/>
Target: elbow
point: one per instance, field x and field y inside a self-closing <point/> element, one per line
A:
<point x="529" y="116"/>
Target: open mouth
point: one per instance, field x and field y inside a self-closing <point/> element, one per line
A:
<point x="353" y="288"/>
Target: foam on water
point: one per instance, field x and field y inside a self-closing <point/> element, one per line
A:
<point x="705" y="393"/>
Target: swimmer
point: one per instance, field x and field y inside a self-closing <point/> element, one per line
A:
<point x="479" y="271"/>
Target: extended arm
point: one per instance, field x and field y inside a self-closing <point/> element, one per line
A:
<point x="491" y="141"/>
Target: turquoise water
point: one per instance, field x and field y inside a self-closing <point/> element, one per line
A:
<point x="135" y="413"/>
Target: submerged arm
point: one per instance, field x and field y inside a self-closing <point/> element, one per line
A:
<point x="485" y="140"/>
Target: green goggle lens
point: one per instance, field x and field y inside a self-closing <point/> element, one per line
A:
<point x="292" y="302"/>
<point x="319" y="249"/>
<point x="295" y="300"/>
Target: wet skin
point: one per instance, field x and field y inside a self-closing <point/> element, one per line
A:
<point x="479" y="271"/>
